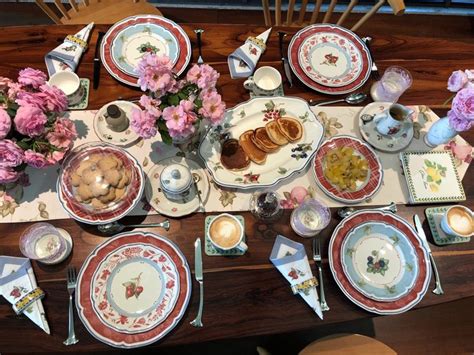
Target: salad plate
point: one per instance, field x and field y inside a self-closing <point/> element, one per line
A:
<point x="379" y="261"/>
<point x="336" y="262"/>
<point x="329" y="58"/>
<point x="365" y="189"/>
<point x="158" y="35"/>
<point x="286" y="161"/>
<point x="147" y="285"/>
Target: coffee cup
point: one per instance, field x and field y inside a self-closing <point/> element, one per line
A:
<point x="226" y="233"/>
<point x="458" y="221"/>
<point x="390" y="121"/>
<point x="70" y="84"/>
<point x="265" y="82"/>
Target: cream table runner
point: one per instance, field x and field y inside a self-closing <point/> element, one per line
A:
<point x="39" y="201"/>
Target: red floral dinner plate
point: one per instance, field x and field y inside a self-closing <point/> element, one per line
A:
<point x="329" y="59"/>
<point x="108" y="56"/>
<point x="422" y="281"/>
<point x="367" y="189"/>
<point x="134" y="270"/>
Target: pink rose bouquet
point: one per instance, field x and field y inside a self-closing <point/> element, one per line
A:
<point x="461" y="115"/>
<point x="32" y="129"/>
<point x="175" y="108"/>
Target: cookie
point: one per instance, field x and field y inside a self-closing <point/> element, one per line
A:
<point x="95" y="157"/>
<point x="119" y="193"/>
<point x="124" y="181"/>
<point x="109" y="197"/>
<point x="98" y="204"/>
<point x="92" y="175"/>
<point x="119" y="162"/>
<point x="113" y="176"/>
<point x="99" y="189"/>
<point x="84" y="192"/>
<point x="86" y="164"/>
<point x="107" y="163"/>
<point x="75" y="180"/>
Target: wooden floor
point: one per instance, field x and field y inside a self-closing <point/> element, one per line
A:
<point x="446" y="329"/>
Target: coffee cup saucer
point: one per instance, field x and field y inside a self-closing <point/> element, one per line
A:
<point x="190" y="203"/>
<point x="434" y="215"/>
<point x="211" y="250"/>
<point x="384" y="143"/>
<point x="105" y="134"/>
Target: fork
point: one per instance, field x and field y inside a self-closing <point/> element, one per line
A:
<point x="71" y="287"/>
<point x="374" y="70"/>
<point x="317" y="262"/>
<point x="198" y="34"/>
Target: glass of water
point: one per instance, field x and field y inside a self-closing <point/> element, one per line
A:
<point x="394" y="82"/>
<point x="42" y="242"/>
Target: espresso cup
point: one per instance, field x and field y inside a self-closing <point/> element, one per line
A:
<point x="70" y="84"/>
<point x="458" y="222"/>
<point x="390" y="121"/>
<point x="226" y="233"/>
<point x="264" y="82"/>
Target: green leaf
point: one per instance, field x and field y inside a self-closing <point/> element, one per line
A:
<point x="429" y="178"/>
<point x="282" y="112"/>
<point x="270" y="105"/>
<point x="173" y="100"/>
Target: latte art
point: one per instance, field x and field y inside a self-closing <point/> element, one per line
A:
<point x="225" y="232"/>
<point x="460" y="221"/>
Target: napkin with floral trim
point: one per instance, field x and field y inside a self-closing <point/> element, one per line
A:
<point x="290" y="258"/>
<point x="243" y="60"/>
<point x="67" y="55"/>
<point x="17" y="279"/>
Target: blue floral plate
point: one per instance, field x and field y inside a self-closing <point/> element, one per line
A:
<point x="379" y="261"/>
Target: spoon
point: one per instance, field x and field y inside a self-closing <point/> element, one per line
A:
<point x="352" y="99"/>
<point x="115" y="227"/>
<point x="347" y="211"/>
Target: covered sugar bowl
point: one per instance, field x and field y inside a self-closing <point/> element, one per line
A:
<point x="176" y="182"/>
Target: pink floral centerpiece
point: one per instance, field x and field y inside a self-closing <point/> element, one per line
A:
<point x="175" y="108"/>
<point x="32" y="129"/>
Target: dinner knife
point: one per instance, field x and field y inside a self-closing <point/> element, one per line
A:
<point x="197" y="322"/>
<point x="286" y="65"/>
<point x="419" y="228"/>
<point x="96" y="77"/>
<point x="374" y="70"/>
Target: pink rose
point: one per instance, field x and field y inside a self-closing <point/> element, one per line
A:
<point x="458" y="123"/>
<point x="463" y="104"/>
<point x="11" y="155"/>
<point x="35" y="159"/>
<point x="63" y="133"/>
<point x="30" y="121"/>
<point x="143" y="123"/>
<point x="204" y="76"/>
<point x="55" y="157"/>
<point x="457" y="80"/>
<point x="32" y="77"/>
<point x="13" y="90"/>
<point x="180" y="119"/>
<point x="155" y="73"/>
<point x="8" y="175"/>
<point x="151" y="105"/>
<point x="26" y="98"/>
<point x="5" y="123"/>
<point x="54" y="99"/>
<point x="212" y="108"/>
<point x="4" y="82"/>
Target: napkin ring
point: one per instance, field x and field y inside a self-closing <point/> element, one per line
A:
<point x="77" y="40"/>
<point x="23" y="303"/>
<point x="257" y="42"/>
<point x="304" y="286"/>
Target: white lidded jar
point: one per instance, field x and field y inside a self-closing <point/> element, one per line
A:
<point x="176" y="182"/>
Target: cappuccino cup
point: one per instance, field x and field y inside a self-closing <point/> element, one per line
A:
<point x="226" y="233"/>
<point x="458" y="221"/>
<point x="264" y="82"/>
<point x="70" y="84"/>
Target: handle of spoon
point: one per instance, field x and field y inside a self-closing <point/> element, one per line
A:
<point x="161" y="224"/>
<point x="315" y="103"/>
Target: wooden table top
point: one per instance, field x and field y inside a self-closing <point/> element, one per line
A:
<point x="246" y="295"/>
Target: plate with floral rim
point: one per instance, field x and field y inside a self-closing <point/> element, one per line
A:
<point x="282" y="164"/>
<point x="365" y="189"/>
<point x="379" y="261"/>
<point x="105" y="134"/>
<point x="157" y="199"/>
<point x="134" y="288"/>
<point x="124" y="243"/>
<point x="404" y="303"/>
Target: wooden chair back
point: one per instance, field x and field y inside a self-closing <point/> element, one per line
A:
<point x="347" y="344"/>
<point x="97" y="11"/>
<point x="398" y="7"/>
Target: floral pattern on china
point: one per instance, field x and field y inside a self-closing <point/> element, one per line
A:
<point x="330" y="59"/>
<point x="125" y="291"/>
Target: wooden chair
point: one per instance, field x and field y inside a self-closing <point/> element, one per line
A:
<point x="347" y="344"/>
<point x="97" y="11"/>
<point x="398" y="7"/>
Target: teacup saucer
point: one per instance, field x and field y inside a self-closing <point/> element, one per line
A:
<point x="84" y="102"/>
<point x="157" y="199"/>
<point x="103" y="131"/>
<point x="389" y="144"/>
<point x="211" y="250"/>
<point x="434" y="215"/>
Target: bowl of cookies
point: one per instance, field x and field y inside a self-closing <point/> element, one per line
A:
<point x="99" y="183"/>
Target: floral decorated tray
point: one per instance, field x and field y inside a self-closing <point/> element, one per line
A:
<point x="283" y="163"/>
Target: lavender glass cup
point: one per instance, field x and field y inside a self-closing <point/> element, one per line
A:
<point x="310" y="218"/>
<point x="394" y="82"/>
<point x="42" y="242"/>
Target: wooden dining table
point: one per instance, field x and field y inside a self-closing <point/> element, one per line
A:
<point x="244" y="296"/>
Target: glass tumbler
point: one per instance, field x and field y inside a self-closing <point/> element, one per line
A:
<point x="394" y="82"/>
<point x="310" y="218"/>
<point x="42" y="242"/>
<point x="266" y="205"/>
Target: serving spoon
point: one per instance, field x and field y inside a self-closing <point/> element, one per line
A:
<point x="115" y="227"/>
<point x="347" y="211"/>
<point x="352" y="99"/>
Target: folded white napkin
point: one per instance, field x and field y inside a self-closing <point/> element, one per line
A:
<point x="290" y="259"/>
<point x="17" y="279"/>
<point x="243" y="60"/>
<point x="66" y="56"/>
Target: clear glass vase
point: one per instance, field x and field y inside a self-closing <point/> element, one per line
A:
<point x="440" y="132"/>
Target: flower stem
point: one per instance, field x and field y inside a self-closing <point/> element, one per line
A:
<point x="449" y="99"/>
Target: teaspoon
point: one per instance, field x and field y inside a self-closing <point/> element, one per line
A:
<point x="347" y="211"/>
<point x="115" y="227"/>
<point x="352" y="99"/>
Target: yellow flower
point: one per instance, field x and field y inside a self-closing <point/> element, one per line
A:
<point x="434" y="187"/>
<point x="433" y="173"/>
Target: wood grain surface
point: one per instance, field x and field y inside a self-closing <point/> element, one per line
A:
<point x="245" y="295"/>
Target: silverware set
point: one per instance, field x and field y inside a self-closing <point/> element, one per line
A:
<point x="198" y="275"/>
<point x="71" y="287"/>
